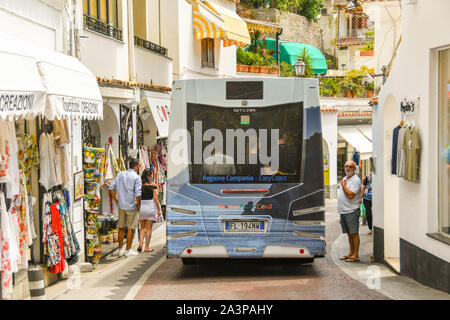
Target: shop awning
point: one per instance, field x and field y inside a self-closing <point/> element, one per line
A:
<point x="46" y="83"/>
<point x="72" y="90"/>
<point x="290" y="51"/>
<point x="160" y="108"/>
<point x="211" y="20"/>
<point x="22" y="93"/>
<point x="262" y="26"/>
<point x="358" y="140"/>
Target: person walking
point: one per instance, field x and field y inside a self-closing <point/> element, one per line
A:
<point x="126" y="191"/>
<point x="349" y="201"/>
<point x="366" y="194"/>
<point x="150" y="209"/>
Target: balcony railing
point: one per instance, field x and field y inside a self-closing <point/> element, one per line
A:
<point x="102" y="27"/>
<point x="355" y="35"/>
<point x="145" y="44"/>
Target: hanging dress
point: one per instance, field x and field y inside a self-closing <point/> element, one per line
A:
<point x="6" y="253"/>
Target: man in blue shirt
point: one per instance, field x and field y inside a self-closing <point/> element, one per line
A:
<point x="126" y="190"/>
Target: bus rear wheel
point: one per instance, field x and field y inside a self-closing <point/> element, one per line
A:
<point x="189" y="261"/>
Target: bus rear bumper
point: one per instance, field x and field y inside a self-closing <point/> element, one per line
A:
<point x="270" y="251"/>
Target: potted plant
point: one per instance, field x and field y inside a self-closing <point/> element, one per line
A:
<point x="306" y="58"/>
<point x="356" y="91"/>
<point x="242" y="60"/>
<point x="369" y="89"/>
<point x="273" y="68"/>
<point x="367" y="50"/>
<point x="332" y="85"/>
<point x="348" y="86"/>
<point x="253" y="65"/>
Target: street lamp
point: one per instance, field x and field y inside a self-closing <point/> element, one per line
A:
<point x="300" y="67"/>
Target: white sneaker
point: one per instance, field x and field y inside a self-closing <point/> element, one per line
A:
<point x="131" y="253"/>
<point x="121" y="252"/>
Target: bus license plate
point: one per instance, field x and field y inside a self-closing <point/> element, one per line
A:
<point x="244" y="226"/>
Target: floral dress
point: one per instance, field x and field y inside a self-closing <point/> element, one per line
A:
<point x="30" y="157"/>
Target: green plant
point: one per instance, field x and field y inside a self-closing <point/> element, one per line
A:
<point x="306" y="58"/>
<point x="325" y="92"/>
<point x="348" y="85"/>
<point x="310" y="9"/>
<point x="254" y="45"/>
<point x="286" y="70"/>
<point x="368" y="46"/>
<point x="370" y="86"/>
<point x="332" y="86"/>
<point x="242" y="57"/>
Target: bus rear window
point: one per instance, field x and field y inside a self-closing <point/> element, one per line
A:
<point x="245" y="145"/>
<point x="244" y="90"/>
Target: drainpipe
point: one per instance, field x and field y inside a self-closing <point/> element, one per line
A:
<point x="131" y="57"/>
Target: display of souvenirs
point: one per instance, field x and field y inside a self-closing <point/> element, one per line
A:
<point x="100" y="168"/>
<point x="97" y="255"/>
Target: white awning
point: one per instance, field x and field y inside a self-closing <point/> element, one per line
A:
<point x="71" y="90"/>
<point x="22" y="93"/>
<point x="358" y="140"/>
<point x="160" y="108"/>
<point x="366" y="131"/>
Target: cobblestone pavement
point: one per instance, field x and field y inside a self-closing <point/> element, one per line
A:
<point x="257" y="280"/>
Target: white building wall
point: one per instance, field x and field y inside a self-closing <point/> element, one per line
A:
<point x="387" y="16"/>
<point x="105" y="56"/>
<point x="413" y="76"/>
<point x="185" y="50"/>
<point x="39" y="22"/>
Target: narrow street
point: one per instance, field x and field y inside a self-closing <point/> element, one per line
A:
<point x="151" y="276"/>
<point x="257" y="280"/>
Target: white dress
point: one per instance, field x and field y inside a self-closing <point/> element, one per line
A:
<point x="48" y="177"/>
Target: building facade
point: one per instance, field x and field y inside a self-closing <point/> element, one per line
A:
<point x="410" y="210"/>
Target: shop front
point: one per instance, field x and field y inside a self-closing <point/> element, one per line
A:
<point x="155" y="112"/>
<point x="411" y="142"/>
<point x="41" y="92"/>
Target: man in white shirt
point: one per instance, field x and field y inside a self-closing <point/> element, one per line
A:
<point x="349" y="202"/>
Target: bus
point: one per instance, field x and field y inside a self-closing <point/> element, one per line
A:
<point x="245" y="170"/>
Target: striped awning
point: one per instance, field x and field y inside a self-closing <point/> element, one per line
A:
<point x="262" y="26"/>
<point x="213" y="21"/>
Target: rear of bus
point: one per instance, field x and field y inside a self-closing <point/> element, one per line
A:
<point x="228" y="196"/>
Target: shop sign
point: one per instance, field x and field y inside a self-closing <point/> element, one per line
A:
<point x="75" y="108"/>
<point x="21" y="104"/>
<point x="160" y="110"/>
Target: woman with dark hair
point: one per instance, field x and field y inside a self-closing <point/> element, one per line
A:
<point x="150" y="209"/>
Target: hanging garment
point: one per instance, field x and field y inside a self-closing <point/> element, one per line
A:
<point x="20" y="225"/>
<point x="4" y="154"/>
<point x="412" y="150"/>
<point x="394" y="149"/>
<point x="60" y="129"/>
<point x="48" y="177"/>
<point x="7" y="253"/>
<point x="71" y="245"/>
<point x="13" y="163"/>
<point x="31" y="203"/>
<point x="401" y="153"/>
<point x="109" y="173"/>
<point x="59" y="241"/>
<point x="30" y="157"/>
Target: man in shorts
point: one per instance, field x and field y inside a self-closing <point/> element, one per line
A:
<point x="126" y="191"/>
<point x="349" y="202"/>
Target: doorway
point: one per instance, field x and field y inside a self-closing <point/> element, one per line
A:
<point x="391" y="192"/>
